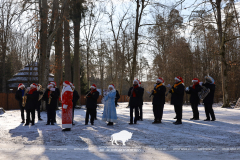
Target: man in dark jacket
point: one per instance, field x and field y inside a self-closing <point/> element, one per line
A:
<point x="51" y="96"/>
<point x="40" y="93"/>
<point x="31" y="103"/>
<point x="177" y="98"/>
<point x="18" y="96"/>
<point x="135" y="100"/>
<point x="75" y="99"/>
<point x="208" y="100"/>
<point x="194" y="99"/>
<point x="140" y="115"/>
<point x="158" y="100"/>
<point x="92" y="97"/>
<point x="117" y="98"/>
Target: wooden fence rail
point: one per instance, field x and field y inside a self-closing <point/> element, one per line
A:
<point x="8" y="101"/>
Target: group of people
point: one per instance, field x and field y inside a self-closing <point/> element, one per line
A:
<point x="30" y="100"/>
<point x="177" y="93"/>
<point x="69" y="97"/>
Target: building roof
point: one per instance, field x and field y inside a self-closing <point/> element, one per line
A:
<point x="27" y="76"/>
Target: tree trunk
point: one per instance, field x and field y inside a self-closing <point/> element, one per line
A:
<point x="67" y="57"/>
<point x="224" y="74"/>
<point x="76" y="62"/>
<point x="134" y="64"/>
<point x="58" y="55"/>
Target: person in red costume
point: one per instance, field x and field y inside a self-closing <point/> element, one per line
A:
<point x="67" y="104"/>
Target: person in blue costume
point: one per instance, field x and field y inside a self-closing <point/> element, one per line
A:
<point x="110" y="113"/>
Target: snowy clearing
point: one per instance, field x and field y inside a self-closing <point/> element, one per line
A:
<point x="191" y="140"/>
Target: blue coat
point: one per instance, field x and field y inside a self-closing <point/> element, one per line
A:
<point x="109" y="113"/>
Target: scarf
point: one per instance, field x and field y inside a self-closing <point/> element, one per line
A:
<point x="195" y="85"/>
<point x="32" y="90"/>
<point x="133" y="93"/>
<point x="159" y="85"/>
<point x="93" y="91"/>
<point x="175" y="85"/>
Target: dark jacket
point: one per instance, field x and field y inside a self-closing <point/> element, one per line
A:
<point x="18" y="97"/>
<point x="159" y="96"/>
<point x="142" y="92"/>
<point x="209" y="98"/>
<point x="194" y="99"/>
<point x="177" y="95"/>
<point x="75" y="98"/>
<point x="135" y="101"/>
<point x="117" y="95"/>
<point x="54" y="101"/>
<point x="32" y="100"/>
<point x="92" y="100"/>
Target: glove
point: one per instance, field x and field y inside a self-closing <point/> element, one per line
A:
<point x="168" y="86"/>
<point x="187" y="89"/>
<point x="200" y="83"/>
<point x="155" y="85"/>
<point x="52" y="89"/>
<point x="65" y="106"/>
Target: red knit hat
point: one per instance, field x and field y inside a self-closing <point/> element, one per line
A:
<point x="94" y="86"/>
<point x="33" y="85"/>
<point x="66" y="83"/>
<point x="179" y="79"/>
<point x="160" y="80"/>
<point x="21" y="85"/>
<point x="195" y="80"/>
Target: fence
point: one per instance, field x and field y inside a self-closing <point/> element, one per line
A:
<point x="8" y="101"/>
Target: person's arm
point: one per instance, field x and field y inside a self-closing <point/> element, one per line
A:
<point x="17" y="97"/>
<point x="95" y="95"/>
<point x="130" y="92"/>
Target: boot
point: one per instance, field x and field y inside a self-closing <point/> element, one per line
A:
<point x="40" y="119"/>
<point x="67" y="129"/>
<point x="177" y="123"/>
<point x="23" y="121"/>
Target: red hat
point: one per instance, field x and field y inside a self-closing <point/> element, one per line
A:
<point x="33" y="85"/>
<point x="136" y="80"/>
<point x="112" y="86"/>
<point x="94" y="86"/>
<point x="179" y="79"/>
<point x="72" y="85"/>
<point x="195" y="80"/>
<point x="54" y="83"/>
<point x="20" y="85"/>
<point x="66" y="83"/>
<point x="160" y="80"/>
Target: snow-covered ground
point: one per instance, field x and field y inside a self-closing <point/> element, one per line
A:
<point x="191" y="140"/>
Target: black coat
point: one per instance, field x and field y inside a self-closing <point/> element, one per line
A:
<point x="135" y="101"/>
<point x="142" y="92"/>
<point x="159" y="96"/>
<point x="54" y="101"/>
<point x="209" y="98"/>
<point x="92" y="100"/>
<point x="177" y="95"/>
<point x="75" y="98"/>
<point x="194" y="99"/>
<point x="18" y="97"/>
<point x="32" y="100"/>
<point x="117" y="95"/>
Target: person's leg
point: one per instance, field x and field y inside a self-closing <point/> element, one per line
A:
<point x="92" y="113"/>
<point x="192" y="106"/>
<point x="176" y="111"/>
<point x="196" y="113"/>
<point x="22" y="114"/>
<point x="48" y="116"/>
<point x="154" y="113"/>
<point x="33" y="116"/>
<point x="38" y="111"/>
<point x="52" y="116"/>
<point x="131" y="114"/>
<point x="136" y="114"/>
<point x="87" y="116"/>
<point x="73" y="114"/>
<point x="180" y="113"/>
<point x="211" y="112"/>
<point x="28" y="116"/>
<point x="206" y="111"/>
<point x="161" y="112"/>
